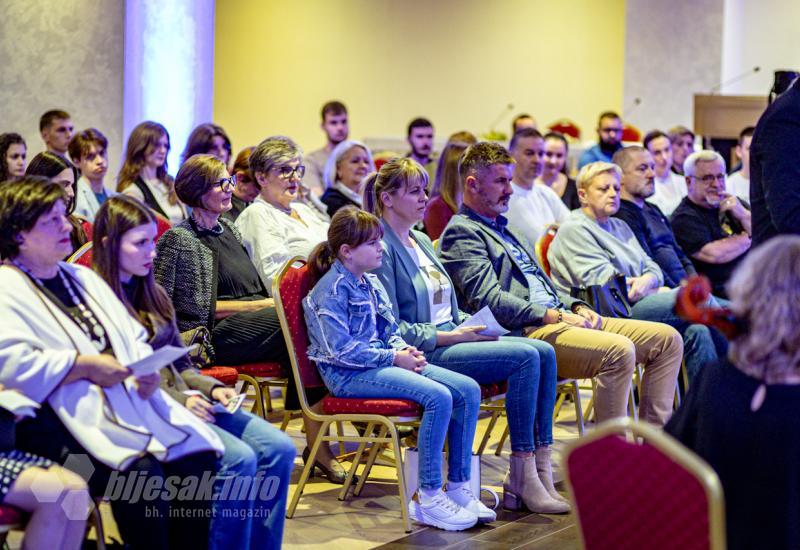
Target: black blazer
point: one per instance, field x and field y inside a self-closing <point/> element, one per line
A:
<point x="335" y="199"/>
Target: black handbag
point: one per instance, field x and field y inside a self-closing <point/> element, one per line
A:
<point x="609" y="300"/>
<point x="204" y="355"/>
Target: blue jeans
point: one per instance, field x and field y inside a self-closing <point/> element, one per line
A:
<point x="528" y="365"/>
<point x="252" y="483"/>
<point x="701" y="344"/>
<point x="450" y="402"/>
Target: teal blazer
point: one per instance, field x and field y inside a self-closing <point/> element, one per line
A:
<point x="407" y="291"/>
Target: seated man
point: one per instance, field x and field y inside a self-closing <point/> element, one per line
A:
<point x="532" y="208"/>
<point x="609" y="130"/>
<point x="57" y="129"/>
<point x="89" y="152"/>
<point x="739" y="181"/>
<point x="491" y="266"/>
<point x="710" y="225"/>
<point x="335" y="125"/>
<point x="669" y="187"/>
<point x="523" y="120"/>
<point x="682" y="139"/>
<point x="420" y="139"/>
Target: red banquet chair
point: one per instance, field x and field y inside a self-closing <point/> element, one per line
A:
<point x="631" y="133"/>
<point x="632" y="486"/>
<point x="567" y="127"/>
<point x="290" y="287"/>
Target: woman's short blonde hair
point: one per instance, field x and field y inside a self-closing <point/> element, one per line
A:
<point x="594" y="169"/>
<point x="765" y="294"/>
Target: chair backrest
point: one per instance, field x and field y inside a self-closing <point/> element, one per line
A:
<point x="162" y="225"/>
<point x="631" y="133"/>
<point x="566" y="127"/>
<point x="542" y="246"/>
<point x="652" y="494"/>
<point x="82" y="256"/>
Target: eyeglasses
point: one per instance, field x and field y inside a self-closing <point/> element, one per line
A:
<point x="708" y="179"/>
<point x="286" y="172"/>
<point x="226" y="184"/>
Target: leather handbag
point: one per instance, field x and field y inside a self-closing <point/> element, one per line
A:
<point x="609" y="300"/>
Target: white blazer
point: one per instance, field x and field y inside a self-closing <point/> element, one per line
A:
<point x="86" y="204"/>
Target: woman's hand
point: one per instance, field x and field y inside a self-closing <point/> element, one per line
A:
<point x="639" y="287"/>
<point x="462" y="334"/>
<point x="410" y="359"/>
<point x="201" y="408"/>
<point x="104" y="370"/>
<point x="223" y="395"/>
<point x="147" y="385"/>
<point x="595" y="321"/>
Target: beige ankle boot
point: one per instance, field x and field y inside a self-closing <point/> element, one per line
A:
<point x="522" y="486"/>
<point x="545" y="471"/>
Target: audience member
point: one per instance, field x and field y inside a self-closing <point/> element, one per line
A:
<point x="739" y="181"/>
<point x="348" y="164"/>
<point x="359" y="351"/>
<point x="446" y="192"/>
<point x="208" y="139"/>
<point x="710" y="225"/>
<point x="246" y="189"/>
<point x="420" y="138"/>
<point x="124" y="249"/>
<point x="77" y="338"/>
<point x="335" y="126"/>
<point x="609" y="130"/>
<point x="89" y="150"/>
<point x="276" y="227"/>
<point x="592" y="247"/>
<point x="424" y="304"/>
<point x="554" y="172"/>
<point x="740" y="416"/>
<point x="13" y="153"/>
<point x="490" y="265"/>
<point x="669" y="187"/>
<point x="523" y="120"/>
<point x="144" y="174"/>
<point x="682" y="139"/>
<point x="532" y="208"/>
<point x="56" y="128"/>
<point x="774" y="169"/>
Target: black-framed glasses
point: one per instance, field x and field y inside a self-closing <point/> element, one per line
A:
<point x="226" y="184"/>
<point x="286" y="172"/>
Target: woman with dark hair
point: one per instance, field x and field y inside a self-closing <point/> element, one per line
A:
<point x="61" y="171"/>
<point x="208" y="139"/>
<point x="124" y="249"/>
<point x="65" y="342"/>
<point x="246" y="189"/>
<point x="12" y="156"/>
<point x="554" y="173"/>
<point x="446" y="191"/>
<point x="144" y="174"/>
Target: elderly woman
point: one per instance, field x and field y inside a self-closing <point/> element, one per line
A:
<point x="740" y="415"/>
<point x="206" y="271"/>
<point x="65" y="342"/>
<point x="592" y="247"/>
<point x="349" y="162"/>
<point x="426" y="309"/>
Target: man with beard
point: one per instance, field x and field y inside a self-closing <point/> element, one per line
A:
<point x="335" y="126"/>
<point x="711" y="225"/>
<point x="609" y="130"/>
<point x="532" y="208"/>
<point x="670" y="188"/>
<point x="420" y="138"/>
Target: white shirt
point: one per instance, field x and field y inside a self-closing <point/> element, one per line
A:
<point x="532" y="211"/>
<point x="438" y="284"/>
<point x="738" y="185"/>
<point x="176" y="213"/>
<point x="86" y="203"/>
<point x="271" y="236"/>
<point x="669" y="192"/>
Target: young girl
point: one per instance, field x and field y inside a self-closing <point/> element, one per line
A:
<point x="124" y="249"/>
<point x="359" y="352"/>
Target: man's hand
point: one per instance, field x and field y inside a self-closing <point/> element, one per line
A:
<point x="595" y="321"/>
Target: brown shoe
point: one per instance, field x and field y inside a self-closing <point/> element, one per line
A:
<point x="522" y="486"/>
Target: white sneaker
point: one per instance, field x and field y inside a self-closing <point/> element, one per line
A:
<point x="464" y="497"/>
<point x="440" y="511"/>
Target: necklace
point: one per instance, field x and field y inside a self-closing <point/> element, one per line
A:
<point x="216" y="230"/>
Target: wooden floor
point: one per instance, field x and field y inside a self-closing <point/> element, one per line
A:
<point x="373" y="519"/>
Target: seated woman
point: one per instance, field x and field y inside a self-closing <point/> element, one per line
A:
<point x="124" y="249"/>
<point x="349" y="162"/>
<point x="208" y="139"/>
<point x="245" y="190"/>
<point x="61" y="171"/>
<point x="144" y="174"/>
<point x="65" y="342"/>
<point x="359" y="353"/>
<point x="554" y="173"/>
<point x="446" y="192"/>
<point x="740" y="415"/>
<point x="425" y="306"/>
<point x="207" y="273"/>
<point x="57" y="508"/>
<point x="12" y="156"/>
<point x="592" y="247"/>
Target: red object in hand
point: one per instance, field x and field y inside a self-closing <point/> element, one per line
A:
<point x="690" y="306"/>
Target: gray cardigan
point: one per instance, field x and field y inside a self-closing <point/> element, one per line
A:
<point x="584" y="253"/>
<point x="407" y="291"/>
<point x="485" y="272"/>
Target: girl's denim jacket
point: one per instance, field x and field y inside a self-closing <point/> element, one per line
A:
<point x="350" y="326"/>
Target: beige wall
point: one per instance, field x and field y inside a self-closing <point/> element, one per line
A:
<point x="459" y="62"/>
<point x="67" y="55"/>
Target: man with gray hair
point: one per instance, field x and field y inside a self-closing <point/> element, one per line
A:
<point x="711" y="225"/>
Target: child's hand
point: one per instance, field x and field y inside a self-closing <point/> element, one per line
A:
<point x="410" y="359"/>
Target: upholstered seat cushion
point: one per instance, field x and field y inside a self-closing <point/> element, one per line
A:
<point x="493" y="390"/>
<point x="226" y="375"/>
<point x="10" y="516"/>
<point x="262" y="370"/>
<point x="385" y="407"/>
